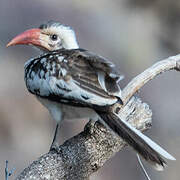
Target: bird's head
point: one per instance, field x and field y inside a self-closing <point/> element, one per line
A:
<point x="48" y="37"/>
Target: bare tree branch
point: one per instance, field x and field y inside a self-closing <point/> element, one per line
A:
<point x="136" y="83"/>
<point x="86" y="152"/>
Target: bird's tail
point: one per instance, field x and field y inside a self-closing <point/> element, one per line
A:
<point x="144" y="146"/>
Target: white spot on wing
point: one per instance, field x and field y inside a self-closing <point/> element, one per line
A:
<point x="47" y="75"/>
<point x="43" y="60"/>
<point x="53" y="64"/>
<point x="65" y="60"/>
<point x="48" y="66"/>
<point x="41" y="73"/>
<point x="120" y="78"/>
<point x="60" y="58"/>
<point x="102" y="80"/>
<point x="64" y="72"/>
<point x="32" y="74"/>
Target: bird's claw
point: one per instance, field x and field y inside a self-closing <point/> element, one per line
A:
<point x="54" y="147"/>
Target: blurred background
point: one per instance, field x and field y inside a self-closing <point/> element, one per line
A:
<point x="134" y="34"/>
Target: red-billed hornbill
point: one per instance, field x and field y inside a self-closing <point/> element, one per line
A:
<point x="68" y="77"/>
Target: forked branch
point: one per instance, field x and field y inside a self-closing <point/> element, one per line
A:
<point x="171" y="63"/>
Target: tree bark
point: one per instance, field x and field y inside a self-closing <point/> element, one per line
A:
<point x="85" y="153"/>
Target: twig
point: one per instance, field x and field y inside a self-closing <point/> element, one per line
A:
<point x="142" y="167"/>
<point x="7" y="172"/>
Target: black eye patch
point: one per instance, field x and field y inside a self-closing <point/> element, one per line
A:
<point x="54" y="37"/>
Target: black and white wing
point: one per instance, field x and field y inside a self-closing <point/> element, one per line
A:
<point x="96" y="71"/>
<point x="75" y="76"/>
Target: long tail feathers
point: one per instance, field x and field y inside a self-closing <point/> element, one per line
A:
<point x="144" y="146"/>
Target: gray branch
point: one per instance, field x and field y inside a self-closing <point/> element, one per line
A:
<point x="86" y="152"/>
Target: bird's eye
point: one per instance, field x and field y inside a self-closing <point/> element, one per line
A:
<point x="54" y="37"/>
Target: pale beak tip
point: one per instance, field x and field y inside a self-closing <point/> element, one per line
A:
<point x="9" y="44"/>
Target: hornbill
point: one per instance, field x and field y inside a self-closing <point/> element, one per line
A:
<point x="66" y="77"/>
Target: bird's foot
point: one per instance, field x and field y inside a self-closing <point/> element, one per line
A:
<point x="54" y="147"/>
<point x="55" y="143"/>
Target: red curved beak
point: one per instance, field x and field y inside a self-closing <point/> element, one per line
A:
<point x="30" y="36"/>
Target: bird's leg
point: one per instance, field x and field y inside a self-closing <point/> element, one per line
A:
<point x="55" y="143"/>
<point x="58" y="116"/>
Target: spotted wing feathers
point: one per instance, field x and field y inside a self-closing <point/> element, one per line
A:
<point x="73" y="75"/>
<point x="106" y="73"/>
